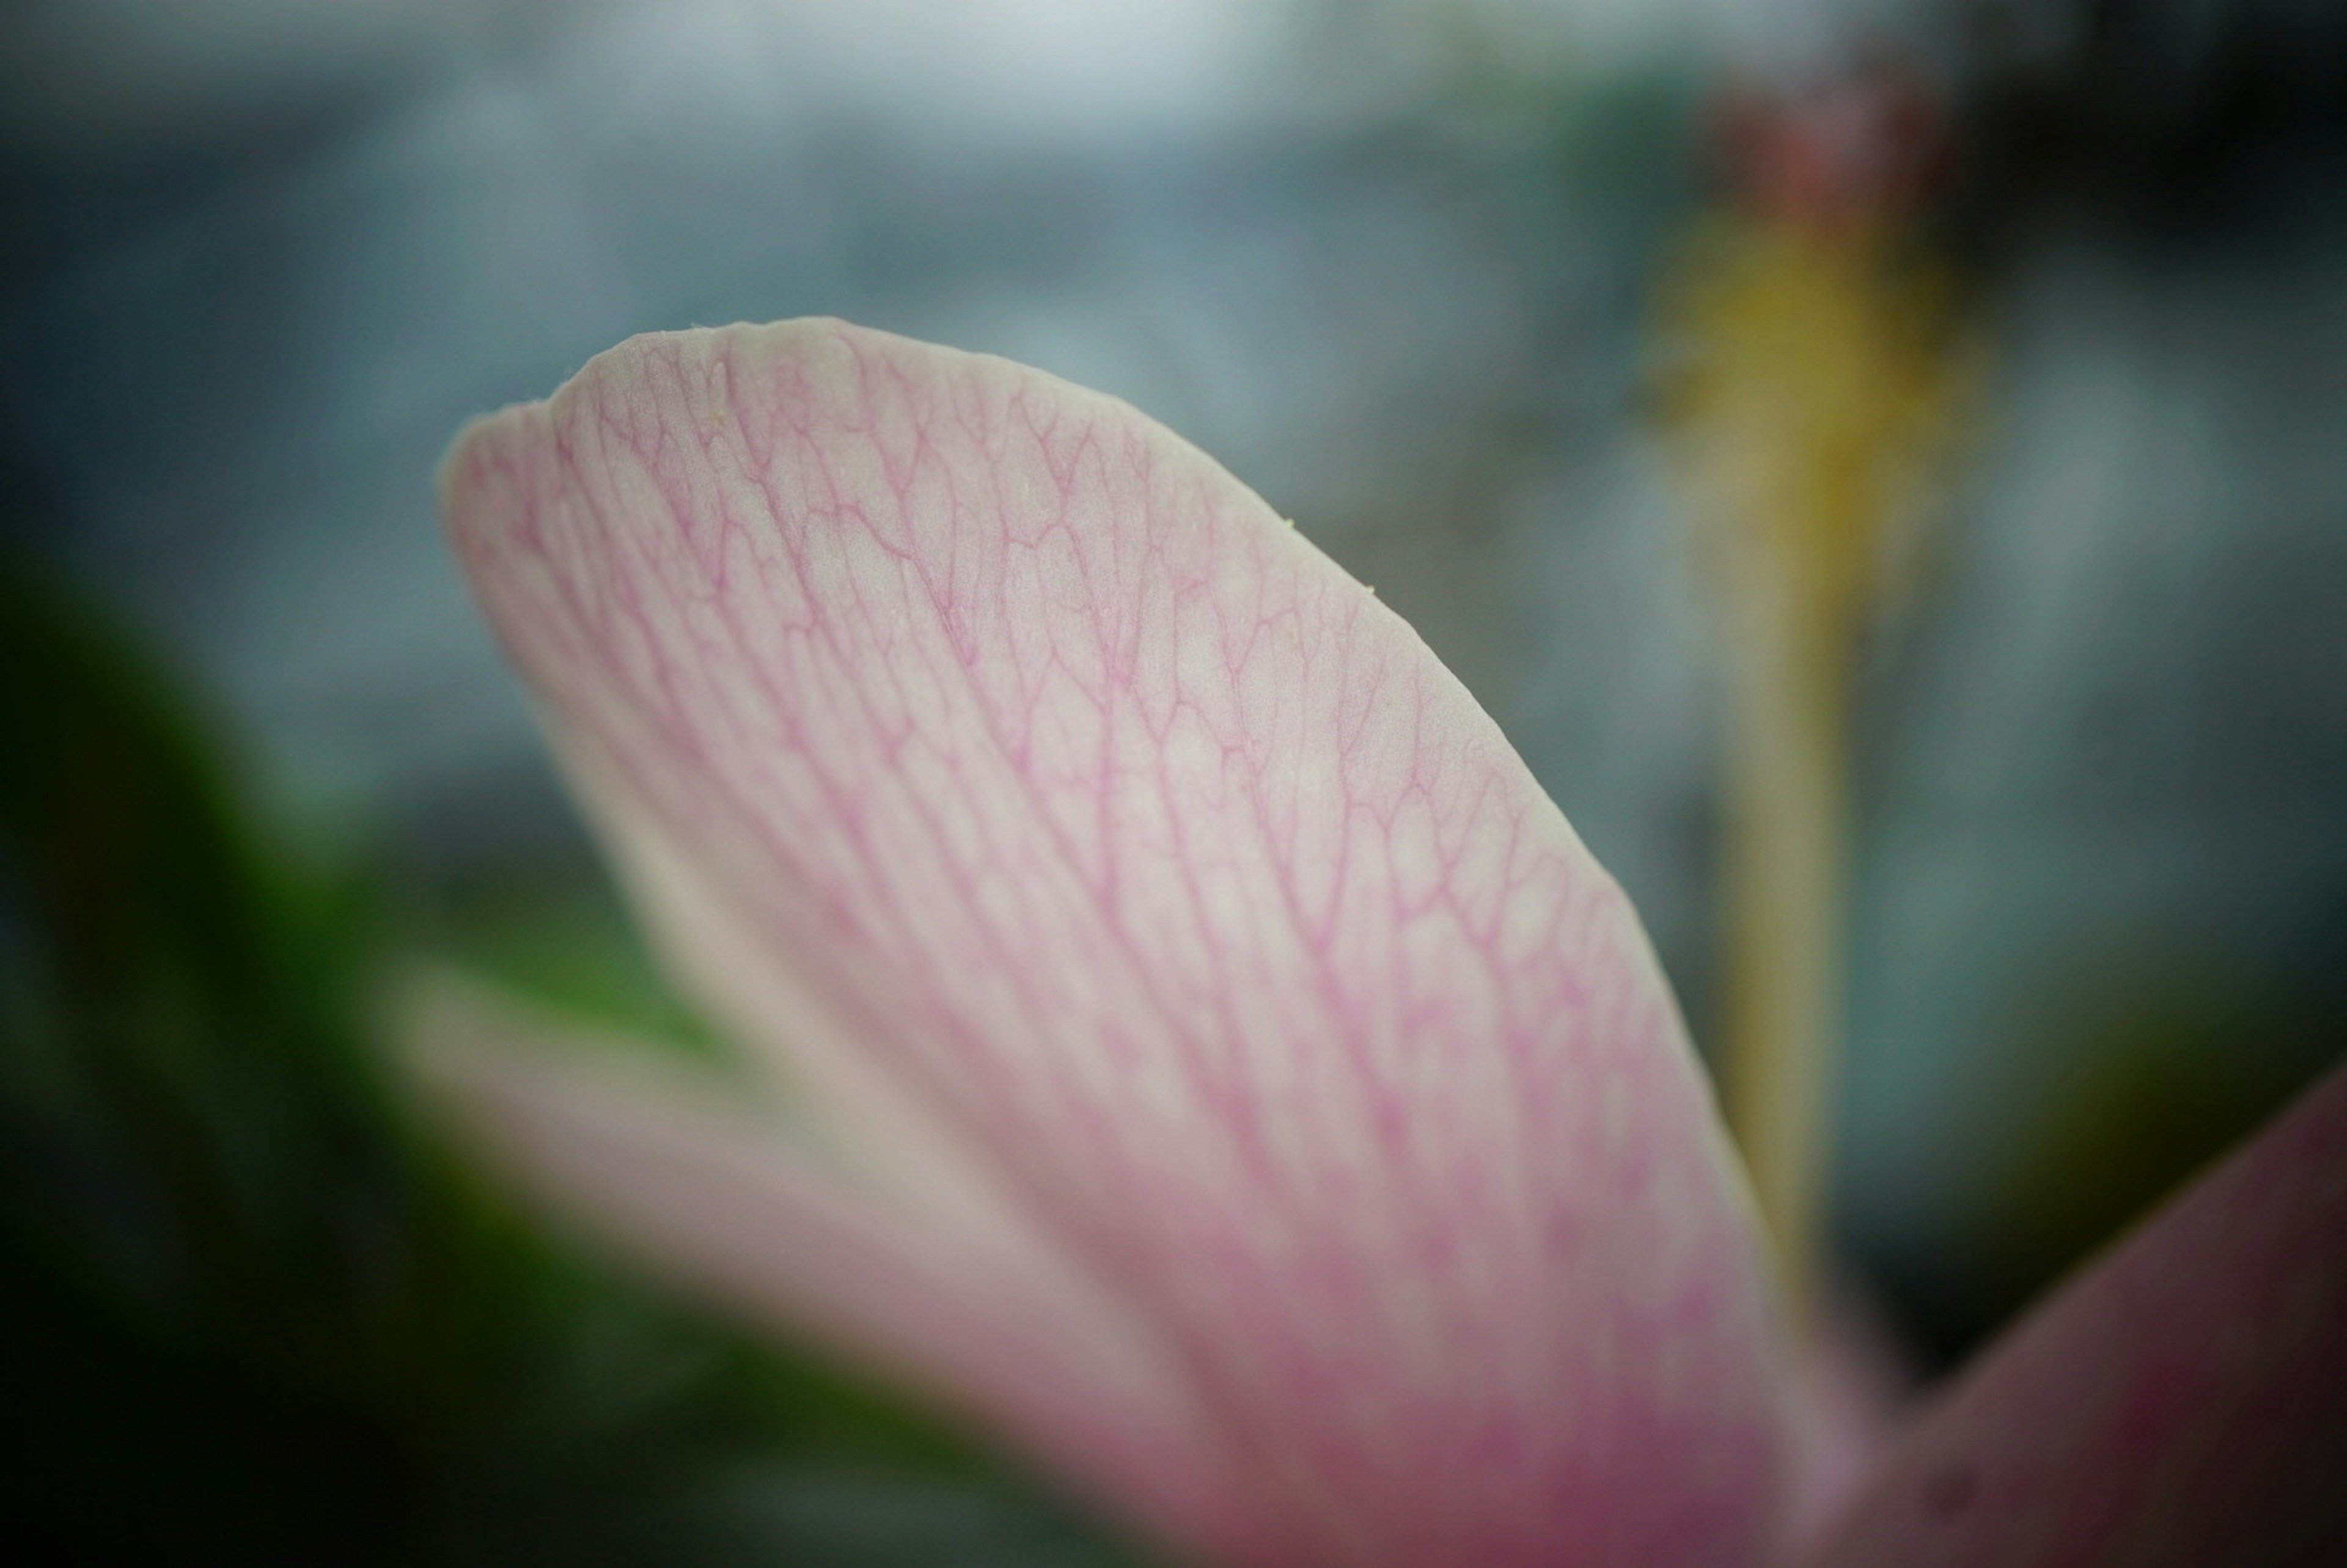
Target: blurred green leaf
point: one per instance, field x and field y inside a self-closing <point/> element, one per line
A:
<point x="250" y="1313"/>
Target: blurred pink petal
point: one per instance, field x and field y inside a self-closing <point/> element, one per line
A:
<point x="1081" y="833"/>
<point x="2182" y="1403"/>
<point x="718" y="1197"/>
<point x="1851" y="1386"/>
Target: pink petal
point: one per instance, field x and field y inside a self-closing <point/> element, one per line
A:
<point x="2184" y="1402"/>
<point x="647" y="1156"/>
<point x="1035" y="766"/>
<point x="1851" y="1386"/>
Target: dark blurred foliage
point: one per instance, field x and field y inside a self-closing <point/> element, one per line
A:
<point x="2179" y="131"/>
<point x="2162" y="119"/>
<point x="2168" y="1074"/>
<point x="249" y="1313"/>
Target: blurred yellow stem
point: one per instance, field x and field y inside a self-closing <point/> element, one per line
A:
<point x="1812" y="386"/>
<point x="1783" y="866"/>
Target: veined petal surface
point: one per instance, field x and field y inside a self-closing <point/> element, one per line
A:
<point x="2184" y="1402"/>
<point x="1121" y="832"/>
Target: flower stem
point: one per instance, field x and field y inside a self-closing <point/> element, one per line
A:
<point x="1782" y="872"/>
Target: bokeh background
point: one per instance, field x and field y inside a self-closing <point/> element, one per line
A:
<point x="1418" y="271"/>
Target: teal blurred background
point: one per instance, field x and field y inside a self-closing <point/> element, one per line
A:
<point x="1397" y="263"/>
